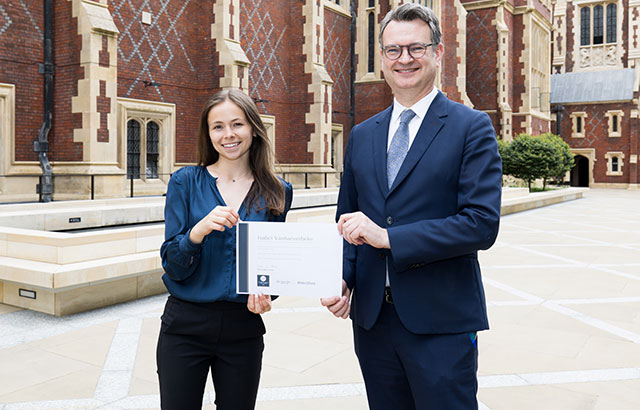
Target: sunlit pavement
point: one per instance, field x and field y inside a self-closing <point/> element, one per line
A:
<point x="562" y="285"/>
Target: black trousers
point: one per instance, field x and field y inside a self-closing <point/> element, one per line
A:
<point x="223" y="337"/>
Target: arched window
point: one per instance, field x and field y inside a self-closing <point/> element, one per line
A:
<point x="611" y="23"/>
<point x="133" y="149"/>
<point x="597" y="25"/>
<point x="152" y="149"/>
<point x="585" y="25"/>
<point x="371" y="42"/>
<point x="614" y="164"/>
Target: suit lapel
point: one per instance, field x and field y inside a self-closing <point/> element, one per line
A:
<point x="380" y="148"/>
<point x="430" y="127"/>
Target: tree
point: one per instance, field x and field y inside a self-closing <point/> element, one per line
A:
<point x="529" y="158"/>
<point x="563" y="150"/>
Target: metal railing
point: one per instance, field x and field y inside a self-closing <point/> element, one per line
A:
<point x="287" y="176"/>
<point x="306" y="177"/>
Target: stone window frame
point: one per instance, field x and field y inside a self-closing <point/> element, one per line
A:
<point x="269" y="122"/>
<point x="610" y="116"/>
<point x="605" y="20"/>
<point x="7" y="127"/>
<point x="609" y="156"/>
<point x="538" y="68"/>
<point x="590" y="56"/>
<point x="143" y="111"/>
<point x="339" y="6"/>
<point x="574" y="124"/>
<point x="362" y="42"/>
<point x="8" y="163"/>
<point x="337" y="144"/>
<point x="426" y="3"/>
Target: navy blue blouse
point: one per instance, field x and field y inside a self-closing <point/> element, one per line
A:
<point x="203" y="272"/>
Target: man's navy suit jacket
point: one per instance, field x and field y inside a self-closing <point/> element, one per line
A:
<point x="443" y="207"/>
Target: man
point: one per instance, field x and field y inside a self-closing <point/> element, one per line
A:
<point x="412" y="228"/>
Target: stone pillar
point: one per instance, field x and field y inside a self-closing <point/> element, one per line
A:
<point x="461" y="51"/>
<point x="226" y="32"/>
<point x="319" y="114"/>
<point x="634" y="30"/>
<point x="505" y="113"/>
<point x="559" y="24"/>
<point x="634" y="146"/>
<point x="535" y="62"/>
<point x="95" y="107"/>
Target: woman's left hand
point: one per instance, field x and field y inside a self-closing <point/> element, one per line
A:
<point x="259" y="303"/>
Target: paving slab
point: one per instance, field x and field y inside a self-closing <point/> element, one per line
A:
<point x="562" y="285"/>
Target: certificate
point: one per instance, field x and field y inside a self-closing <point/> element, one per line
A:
<point x="289" y="259"/>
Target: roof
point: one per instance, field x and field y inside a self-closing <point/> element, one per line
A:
<point x="592" y="86"/>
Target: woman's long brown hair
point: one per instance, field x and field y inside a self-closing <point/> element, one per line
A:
<point x="265" y="183"/>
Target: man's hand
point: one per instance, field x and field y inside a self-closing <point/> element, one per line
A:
<point x="357" y="229"/>
<point x="259" y="303"/>
<point x="339" y="306"/>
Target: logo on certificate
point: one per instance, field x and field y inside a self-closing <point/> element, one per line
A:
<point x="263" y="280"/>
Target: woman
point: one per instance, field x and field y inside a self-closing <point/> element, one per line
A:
<point x="206" y="324"/>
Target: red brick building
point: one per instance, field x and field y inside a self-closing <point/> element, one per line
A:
<point x="130" y="78"/>
<point x="595" y="89"/>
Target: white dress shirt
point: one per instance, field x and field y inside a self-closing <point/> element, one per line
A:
<point x="420" y="108"/>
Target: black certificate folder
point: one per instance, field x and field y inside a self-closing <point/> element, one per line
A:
<point x="243" y="256"/>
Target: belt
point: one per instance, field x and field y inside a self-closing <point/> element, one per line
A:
<point x="388" y="297"/>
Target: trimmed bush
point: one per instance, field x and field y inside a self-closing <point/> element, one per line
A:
<point x="529" y="157"/>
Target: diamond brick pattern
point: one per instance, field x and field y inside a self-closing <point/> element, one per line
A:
<point x="5" y="20"/>
<point x="336" y="57"/>
<point x="150" y="45"/>
<point x="261" y="39"/>
<point x="481" y="75"/>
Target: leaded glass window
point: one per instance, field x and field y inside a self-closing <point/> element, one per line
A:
<point x="372" y="36"/>
<point x="597" y="25"/>
<point x="133" y="149"/>
<point x="611" y="23"/>
<point x="152" y="149"/>
<point x="585" y="25"/>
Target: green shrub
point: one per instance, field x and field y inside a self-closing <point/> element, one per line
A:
<point x="531" y="157"/>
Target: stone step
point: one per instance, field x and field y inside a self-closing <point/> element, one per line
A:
<point x="122" y="263"/>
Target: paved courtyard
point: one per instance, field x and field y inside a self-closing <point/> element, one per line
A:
<point x="563" y="288"/>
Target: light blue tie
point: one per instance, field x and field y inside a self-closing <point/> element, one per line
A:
<point x="399" y="146"/>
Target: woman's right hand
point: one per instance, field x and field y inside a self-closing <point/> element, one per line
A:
<point x="216" y="220"/>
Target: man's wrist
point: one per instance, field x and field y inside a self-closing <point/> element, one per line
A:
<point x="385" y="239"/>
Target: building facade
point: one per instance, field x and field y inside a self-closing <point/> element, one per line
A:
<point x="596" y="56"/>
<point x="128" y="79"/>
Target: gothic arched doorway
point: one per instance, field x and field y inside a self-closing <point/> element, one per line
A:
<point x="580" y="171"/>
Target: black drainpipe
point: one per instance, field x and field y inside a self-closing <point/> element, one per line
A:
<point x="41" y="146"/>
<point x="557" y="109"/>
<point x="352" y="69"/>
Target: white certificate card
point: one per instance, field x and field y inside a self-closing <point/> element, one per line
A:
<point x="288" y="259"/>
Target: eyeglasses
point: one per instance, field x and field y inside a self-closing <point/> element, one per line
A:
<point x="415" y="50"/>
